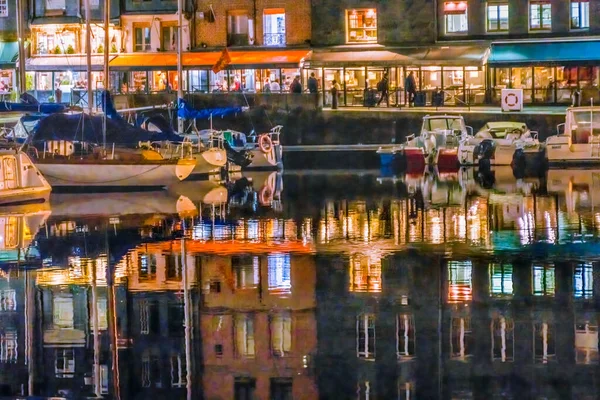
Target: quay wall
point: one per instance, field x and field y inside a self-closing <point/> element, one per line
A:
<point x="307" y="124"/>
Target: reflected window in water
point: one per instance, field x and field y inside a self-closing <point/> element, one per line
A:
<point x="365" y="273"/>
<point x="64" y="365"/>
<point x="280" y="274"/>
<point x="244" y="388"/>
<point x="583" y="281"/>
<point x="406" y="390"/>
<point x="461" y="336"/>
<point x="365" y="336"/>
<point x="405" y="337"/>
<point x="8" y="300"/>
<point x="178" y="371"/>
<point x="281" y="389"/>
<point x="363" y="391"/>
<point x="175" y="319"/>
<point x="147" y="266"/>
<point x="544" y="283"/>
<point x="586" y="340"/>
<point x="281" y="334"/>
<point x="103" y="378"/>
<point x="8" y="346"/>
<point x="544" y="349"/>
<point x="245" y="272"/>
<point x="503" y="339"/>
<point x="151" y="376"/>
<point x="244" y="335"/>
<point x="149" y="317"/>
<point x="63" y="311"/>
<point x="460" y="281"/>
<point x="102" y="313"/>
<point x="173" y="267"/>
<point x="501" y="280"/>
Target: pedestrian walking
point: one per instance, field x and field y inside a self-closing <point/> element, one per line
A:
<point x="383" y="88"/>
<point x="410" y="87"/>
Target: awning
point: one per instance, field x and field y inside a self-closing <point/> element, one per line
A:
<point x="63" y="63"/>
<point x="191" y="60"/>
<point x="8" y="54"/>
<point x="414" y="56"/>
<point x="546" y="53"/>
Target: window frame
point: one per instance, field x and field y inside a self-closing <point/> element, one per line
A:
<point x="496" y="6"/>
<point x="279" y="38"/>
<point x="172" y="27"/>
<point x="447" y="15"/>
<point x="3" y="8"/>
<point x="365" y="333"/>
<point x="146" y="47"/>
<point x="540" y="5"/>
<point x="580" y="4"/>
<point x="350" y="11"/>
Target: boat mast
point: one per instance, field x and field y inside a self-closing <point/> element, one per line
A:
<point x="88" y="48"/>
<point x="20" y="37"/>
<point x="179" y="60"/>
<point x="106" y="69"/>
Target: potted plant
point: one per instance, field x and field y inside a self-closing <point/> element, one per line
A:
<point x="113" y="48"/>
<point x="70" y="49"/>
<point x="101" y="49"/>
<point x="57" y="50"/>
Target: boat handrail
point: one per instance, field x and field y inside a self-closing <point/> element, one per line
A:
<point x="275" y="133"/>
<point x="410" y="137"/>
<point x="563" y="125"/>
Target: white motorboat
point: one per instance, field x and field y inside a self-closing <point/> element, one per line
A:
<point x="497" y="143"/>
<point x="437" y="144"/>
<point x="20" y="180"/>
<point x="578" y="139"/>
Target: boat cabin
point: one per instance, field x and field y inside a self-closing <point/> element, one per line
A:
<point x="502" y="130"/>
<point x="582" y="125"/>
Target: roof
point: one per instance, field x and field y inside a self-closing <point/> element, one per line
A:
<point x="543" y="52"/>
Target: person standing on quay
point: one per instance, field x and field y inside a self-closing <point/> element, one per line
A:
<point x="410" y="87"/>
<point x="383" y="88"/>
<point x="335" y="88"/>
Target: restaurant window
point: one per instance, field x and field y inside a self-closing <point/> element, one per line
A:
<point x="245" y="272"/>
<point x="168" y="36"/>
<point x="540" y="15"/>
<point x="586" y="340"/>
<point x="461" y="337"/>
<point x="279" y="274"/>
<point x="361" y="26"/>
<point x="218" y="81"/>
<point x="455" y="15"/>
<point x="274" y="27"/>
<point x="141" y="38"/>
<point x="64" y="366"/>
<point x="503" y="339"/>
<point x="237" y="28"/>
<point x="501" y="280"/>
<point x="3" y="8"/>
<point x="543" y="280"/>
<point x="365" y="336"/>
<point x="544" y="348"/>
<point x="544" y="84"/>
<point x="497" y="17"/>
<point x="580" y="14"/>
<point x="199" y="81"/>
<point x="405" y="337"/>
<point x="583" y="281"/>
<point x="63" y="311"/>
<point x="244" y="335"/>
<point x="281" y="334"/>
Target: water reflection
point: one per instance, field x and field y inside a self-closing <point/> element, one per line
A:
<point x="453" y="286"/>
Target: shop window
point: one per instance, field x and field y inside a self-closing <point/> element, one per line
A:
<point x="544" y="347"/>
<point x="168" y="37"/>
<point x="237" y="28"/>
<point x="64" y="366"/>
<point x="503" y="339"/>
<point x="497" y="17"/>
<point x="361" y="26"/>
<point x="540" y="15"/>
<point x="580" y="14"/>
<point x="405" y="337"/>
<point x="501" y="280"/>
<point x="583" y="281"/>
<point x="461" y="338"/>
<point x="365" y="336"/>
<point x="274" y="27"/>
<point x="281" y="334"/>
<point x="142" y="40"/>
<point x="3" y="8"/>
<point x="63" y="311"/>
<point x="455" y="15"/>
<point x="245" y="272"/>
<point x="244" y="335"/>
<point x="279" y="271"/>
<point x="543" y="280"/>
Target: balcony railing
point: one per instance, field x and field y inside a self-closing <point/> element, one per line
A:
<point x="274" y="39"/>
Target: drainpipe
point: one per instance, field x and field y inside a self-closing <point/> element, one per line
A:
<point x="254" y="17"/>
<point x="435" y="21"/>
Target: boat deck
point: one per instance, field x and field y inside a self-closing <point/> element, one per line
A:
<point x="335" y="147"/>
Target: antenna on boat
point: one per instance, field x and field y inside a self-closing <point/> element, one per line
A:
<point x="88" y="47"/>
<point x="179" y="60"/>
<point x="106" y="68"/>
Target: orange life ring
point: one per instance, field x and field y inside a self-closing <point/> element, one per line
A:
<point x="265" y="195"/>
<point x="265" y="143"/>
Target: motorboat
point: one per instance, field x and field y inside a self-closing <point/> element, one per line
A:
<point x="20" y="180"/>
<point x="496" y="142"/>
<point x="578" y="139"/>
<point x="437" y="144"/>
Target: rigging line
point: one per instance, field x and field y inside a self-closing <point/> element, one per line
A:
<point x="249" y="116"/>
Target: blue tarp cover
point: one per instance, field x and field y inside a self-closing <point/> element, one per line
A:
<point x="185" y="111"/>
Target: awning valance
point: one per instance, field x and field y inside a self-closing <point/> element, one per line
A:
<point x="8" y="54"/>
<point x="546" y="53"/>
<point x="64" y="63"/>
<point x="415" y="56"/>
<point x="191" y="60"/>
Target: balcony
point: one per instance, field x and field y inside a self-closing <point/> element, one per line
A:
<point x="274" y="39"/>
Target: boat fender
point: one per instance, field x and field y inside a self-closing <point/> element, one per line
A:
<point x="265" y="143"/>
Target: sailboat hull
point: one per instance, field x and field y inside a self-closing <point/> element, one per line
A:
<point x="272" y="160"/>
<point x="115" y="175"/>
<point x="209" y="161"/>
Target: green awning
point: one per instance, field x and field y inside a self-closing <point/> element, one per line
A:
<point x="8" y="54"/>
<point x="582" y="52"/>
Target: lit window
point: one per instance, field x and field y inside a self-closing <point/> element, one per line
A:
<point x="8" y="300"/>
<point x="501" y="280"/>
<point x="8" y="346"/>
<point x="178" y="371"/>
<point x="361" y="26"/>
<point x="540" y="15"/>
<point x="580" y="14"/>
<point x="586" y="341"/>
<point x="497" y="17"/>
<point x="459" y="288"/>
<point x="274" y="27"/>
<point x="365" y="336"/>
<point x="583" y="281"/>
<point x="461" y="337"/>
<point x="543" y="342"/>
<point x="405" y="337"/>
<point x="141" y="38"/>
<point x="281" y="334"/>
<point x="543" y="280"/>
<point x="455" y="15"/>
<point x="279" y="269"/>
<point x="244" y="335"/>
<point x="64" y="366"/>
<point x="503" y="340"/>
<point x="3" y="8"/>
<point x="63" y="311"/>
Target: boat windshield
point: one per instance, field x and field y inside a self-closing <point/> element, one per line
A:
<point x="434" y="124"/>
<point x="584" y="124"/>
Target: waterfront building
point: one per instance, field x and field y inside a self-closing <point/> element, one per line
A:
<point x="8" y="48"/>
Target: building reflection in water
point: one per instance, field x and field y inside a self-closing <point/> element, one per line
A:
<point x="434" y="287"/>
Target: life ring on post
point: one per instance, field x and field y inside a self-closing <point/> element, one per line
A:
<point x="265" y="143"/>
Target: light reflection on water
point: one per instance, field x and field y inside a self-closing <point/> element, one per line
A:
<point x="430" y="286"/>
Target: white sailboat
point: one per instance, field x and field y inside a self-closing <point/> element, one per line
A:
<point x="80" y="163"/>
